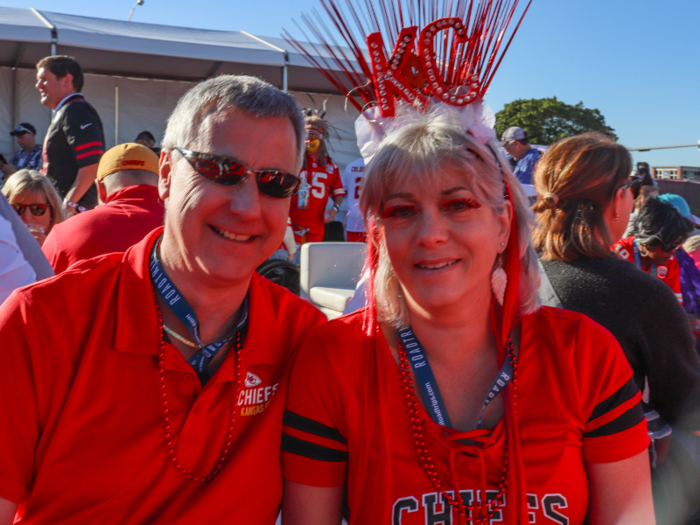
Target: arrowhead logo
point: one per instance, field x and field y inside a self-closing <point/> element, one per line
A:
<point x="252" y="380"/>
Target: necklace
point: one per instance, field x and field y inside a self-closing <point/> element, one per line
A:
<point x="226" y="447"/>
<point x="177" y="336"/>
<point x="426" y="459"/>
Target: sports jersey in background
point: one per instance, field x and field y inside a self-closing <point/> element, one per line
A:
<point x="321" y="183"/>
<point x="670" y="273"/>
<point x="347" y="420"/>
<point x="81" y="425"/>
<point x="352" y="182"/>
<point x="75" y="139"/>
<point x="525" y="167"/>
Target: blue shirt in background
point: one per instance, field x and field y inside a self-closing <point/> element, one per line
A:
<point x="526" y="166"/>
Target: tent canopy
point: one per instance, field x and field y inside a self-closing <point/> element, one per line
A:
<point x="121" y="48"/>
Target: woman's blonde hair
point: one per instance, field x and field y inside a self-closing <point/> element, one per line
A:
<point x="31" y="181"/>
<point x="576" y="181"/>
<point x="422" y="149"/>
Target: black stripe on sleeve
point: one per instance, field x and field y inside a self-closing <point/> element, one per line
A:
<point x="311" y="450"/>
<point x="624" y="421"/>
<point x="625" y="393"/>
<point x="312" y="427"/>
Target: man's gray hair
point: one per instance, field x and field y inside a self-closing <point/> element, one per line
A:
<point x="248" y="94"/>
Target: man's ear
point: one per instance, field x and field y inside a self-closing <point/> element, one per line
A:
<point x="68" y="81"/>
<point x="165" y="171"/>
<point x="101" y="191"/>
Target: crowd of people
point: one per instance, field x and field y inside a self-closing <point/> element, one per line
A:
<point x="157" y="378"/>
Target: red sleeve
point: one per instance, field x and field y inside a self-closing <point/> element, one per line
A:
<point x="20" y="379"/>
<point x="314" y="443"/>
<point x="84" y="134"/>
<point x="615" y="427"/>
<point x="336" y="186"/>
<point x="623" y="249"/>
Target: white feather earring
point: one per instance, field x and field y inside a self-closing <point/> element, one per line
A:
<point x="499" y="280"/>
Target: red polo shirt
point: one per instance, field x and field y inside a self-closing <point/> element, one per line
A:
<point x="127" y="216"/>
<point x="81" y="418"/>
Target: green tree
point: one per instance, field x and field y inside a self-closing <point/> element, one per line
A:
<point x="547" y="120"/>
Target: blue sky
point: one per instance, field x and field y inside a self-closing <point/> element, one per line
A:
<point x="636" y="61"/>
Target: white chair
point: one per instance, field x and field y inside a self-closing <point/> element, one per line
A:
<point x="329" y="272"/>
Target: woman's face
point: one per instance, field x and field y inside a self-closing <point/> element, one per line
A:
<point x="443" y="242"/>
<point x="34" y="197"/>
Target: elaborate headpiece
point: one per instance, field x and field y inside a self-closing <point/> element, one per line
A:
<point x="445" y="54"/>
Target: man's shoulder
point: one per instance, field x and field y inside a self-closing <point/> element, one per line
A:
<point x="288" y="307"/>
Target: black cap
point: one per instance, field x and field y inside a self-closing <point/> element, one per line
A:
<point x="23" y="128"/>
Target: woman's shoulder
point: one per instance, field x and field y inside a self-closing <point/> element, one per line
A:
<point x="342" y="339"/>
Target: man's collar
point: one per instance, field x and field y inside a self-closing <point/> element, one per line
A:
<point x="137" y="191"/>
<point x="62" y="102"/>
<point x="137" y="322"/>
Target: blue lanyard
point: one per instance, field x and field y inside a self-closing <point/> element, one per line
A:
<point x="177" y="303"/>
<point x="429" y="387"/>
<point x="638" y="259"/>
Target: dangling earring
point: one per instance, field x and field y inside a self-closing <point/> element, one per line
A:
<point x="499" y="280"/>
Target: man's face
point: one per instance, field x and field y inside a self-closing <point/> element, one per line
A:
<point x="26" y="141"/>
<point x="515" y="149"/>
<point x="51" y="89"/>
<point x="313" y="142"/>
<point x="221" y="234"/>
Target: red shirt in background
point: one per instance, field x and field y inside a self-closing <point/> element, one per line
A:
<point x="81" y="421"/>
<point x="323" y="182"/>
<point x="670" y="273"/>
<point x="127" y="217"/>
<point x="347" y="421"/>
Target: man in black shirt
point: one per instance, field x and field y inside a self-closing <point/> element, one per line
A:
<point x="75" y="141"/>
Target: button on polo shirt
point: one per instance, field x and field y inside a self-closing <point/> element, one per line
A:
<point x="82" y="438"/>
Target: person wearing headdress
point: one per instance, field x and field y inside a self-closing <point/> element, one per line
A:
<point x="321" y="179"/>
<point x="453" y="397"/>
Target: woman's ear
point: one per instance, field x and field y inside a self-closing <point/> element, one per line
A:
<point x="505" y="220"/>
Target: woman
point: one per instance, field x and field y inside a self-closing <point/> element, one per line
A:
<point x="36" y="201"/>
<point x="585" y="201"/>
<point x="520" y="432"/>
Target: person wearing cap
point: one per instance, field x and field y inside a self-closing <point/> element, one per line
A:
<point x="29" y="156"/>
<point x="149" y="386"/>
<point x="75" y="139"/>
<point x="127" y="184"/>
<point x="517" y="144"/>
<point x="321" y="179"/>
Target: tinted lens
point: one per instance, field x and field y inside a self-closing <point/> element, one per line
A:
<point x="278" y="183"/>
<point x="19" y="208"/>
<point x="35" y="209"/>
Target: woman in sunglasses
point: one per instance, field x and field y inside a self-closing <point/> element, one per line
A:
<point x="36" y="201"/>
<point x="453" y="397"/>
<point x="584" y="202"/>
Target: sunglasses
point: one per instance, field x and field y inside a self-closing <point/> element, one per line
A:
<point x="634" y="185"/>
<point x="36" y="209"/>
<point x="228" y="171"/>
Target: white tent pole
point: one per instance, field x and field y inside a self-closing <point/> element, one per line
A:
<point x="284" y="71"/>
<point x="54" y="33"/>
<point x="116" y="114"/>
<point x="286" y="56"/>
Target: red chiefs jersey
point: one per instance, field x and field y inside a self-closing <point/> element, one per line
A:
<point x="321" y="183"/>
<point x="670" y="273"/>
<point x="347" y="422"/>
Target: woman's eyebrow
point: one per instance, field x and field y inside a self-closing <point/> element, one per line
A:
<point x="399" y="196"/>
<point x="454" y="190"/>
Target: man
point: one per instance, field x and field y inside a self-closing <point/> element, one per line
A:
<point x="29" y="156"/>
<point x="320" y="179"/>
<point x="127" y="183"/>
<point x="517" y="144"/>
<point x="148" y="387"/>
<point x="352" y="182"/>
<point x="146" y="138"/>
<point x="75" y="140"/>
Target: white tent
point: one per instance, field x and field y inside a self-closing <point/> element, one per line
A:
<point x="136" y="72"/>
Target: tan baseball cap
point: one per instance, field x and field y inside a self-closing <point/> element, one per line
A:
<point x="128" y="156"/>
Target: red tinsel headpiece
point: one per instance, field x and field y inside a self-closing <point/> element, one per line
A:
<point x="445" y="50"/>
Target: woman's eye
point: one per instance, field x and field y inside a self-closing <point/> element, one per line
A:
<point x="400" y="211"/>
<point x="461" y="204"/>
